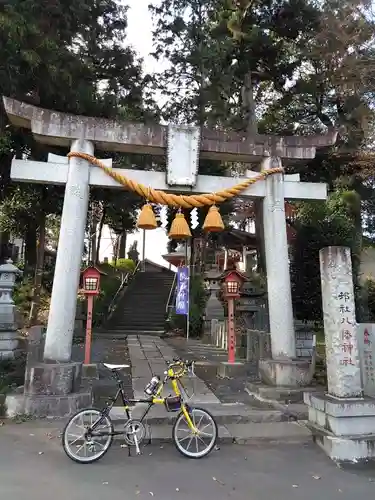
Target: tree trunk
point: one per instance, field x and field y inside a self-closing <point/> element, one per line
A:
<point x="249" y="106"/>
<point x="30" y="247"/>
<point x="252" y="131"/>
<point x="93" y="240"/>
<point x="100" y="233"/>
<point x="115" y="248"/>
<point x="38" y="278"/>
<point x="122" y="245"/>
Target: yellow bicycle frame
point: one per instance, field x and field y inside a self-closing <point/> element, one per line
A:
<point x="173" y="376"/>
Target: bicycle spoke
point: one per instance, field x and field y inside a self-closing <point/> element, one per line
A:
<point x="99" y="444"/>
<point x="184" y="438"/>
<point x="205" y="427"/>
<point x="191" y="439"/>
<point x="80" y="448"/>
<point x="77" y="437"/>
<point x="185" y="430"/>
<point x="206" y="434"/>
<point x="200" y="439"/>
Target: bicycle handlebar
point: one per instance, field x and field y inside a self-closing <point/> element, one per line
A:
<point x="187" y="363"/>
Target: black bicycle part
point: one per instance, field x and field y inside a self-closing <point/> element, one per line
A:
<point x="126" y="403"/>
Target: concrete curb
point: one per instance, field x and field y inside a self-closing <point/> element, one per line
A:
<point x="240" y="434"/>
<point x="289" y="412"/>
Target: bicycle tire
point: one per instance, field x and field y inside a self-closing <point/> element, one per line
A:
<point x="209" y="448"/>
<point x="108" y="445"/>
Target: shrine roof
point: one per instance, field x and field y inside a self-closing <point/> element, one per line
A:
<point x="59" y="129"/>
<point x="237" y="236"/>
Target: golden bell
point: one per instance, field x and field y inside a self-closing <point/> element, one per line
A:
<point x="146" y="219"/>
<point x="180" y="229"/>
<point x="213" y="222"/>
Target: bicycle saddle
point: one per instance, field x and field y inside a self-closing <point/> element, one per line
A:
<point x="115" y="367"/>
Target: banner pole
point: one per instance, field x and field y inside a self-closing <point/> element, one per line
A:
<point x="187" y="263"/>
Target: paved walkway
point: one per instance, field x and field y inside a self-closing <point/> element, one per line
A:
<point x="148" y="357"/>
<point x="228" y="390"/>
<point x="33" y="466"/>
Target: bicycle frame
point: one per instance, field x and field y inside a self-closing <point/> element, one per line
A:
<point x="151" y="401"/>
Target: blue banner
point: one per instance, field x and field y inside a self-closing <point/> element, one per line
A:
<point x="182" y="297"/>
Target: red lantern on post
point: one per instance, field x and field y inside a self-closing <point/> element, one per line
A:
<point x="232" y="282"/>
<point x="90" y="288"/>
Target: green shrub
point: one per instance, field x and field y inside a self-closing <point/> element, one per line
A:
<point x="369" y="294"/>
<point x="124" y="265"/>
<point x="12" y="373"/>
<point x="23" y="294"/>
<point x="108" y="287"/>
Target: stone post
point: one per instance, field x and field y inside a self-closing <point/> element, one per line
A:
<point x="342" y="421"/>
<point x="340" y="327"/>
<point x="58" y="344"/>
<point x="9" y="337"/>
<point x="283" y="343"/>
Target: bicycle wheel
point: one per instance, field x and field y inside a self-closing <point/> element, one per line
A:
<point x="79" y="444"/>
<point x="193" y="445"/>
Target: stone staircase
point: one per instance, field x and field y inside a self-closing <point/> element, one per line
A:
<point x="142" y="308"/>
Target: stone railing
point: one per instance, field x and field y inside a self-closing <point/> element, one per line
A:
<point x="253" y="344"/>
<point x="258" y="345"/>
<point x="219" y="335"/>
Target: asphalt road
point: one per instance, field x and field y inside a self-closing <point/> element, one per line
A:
<point x="33" y="466"/>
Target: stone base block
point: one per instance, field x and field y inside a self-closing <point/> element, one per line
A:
<point x="47" y="406"/>
<point x="344" y="428"/>
<point x="206" y="339"/>
<point x="90" y="371"/>
<point x="2" y="405"/>
<point x="285" y="395"/>
<point x="205" y="369"/>
<point x="55" y="379"/>
<point x="10" y="355"/>
<point x="285" y="372"/>
<point x="231" y="370"/>
<point x="9" y="344"/>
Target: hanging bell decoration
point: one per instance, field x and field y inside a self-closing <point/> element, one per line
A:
<point x="146" y="219"/>
<point x="180" y="229"/>
<point x="213" y="222"/>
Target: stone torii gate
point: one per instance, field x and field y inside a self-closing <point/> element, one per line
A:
<point x="183" y="145"/>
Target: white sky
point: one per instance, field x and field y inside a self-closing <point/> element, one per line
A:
<point x="139" y="35"/>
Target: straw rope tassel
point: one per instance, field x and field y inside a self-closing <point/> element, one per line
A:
<point x="147" y="219"/>
<point x="213" y="222"/>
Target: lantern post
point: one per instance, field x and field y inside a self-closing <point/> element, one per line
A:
<point x="232" y="282"/>
<point x="90" y="288"/>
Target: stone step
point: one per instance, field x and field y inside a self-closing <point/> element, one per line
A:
<point x="139" y="328"/>
<point x="223" y="414"/>
<point x="141" y="314"/>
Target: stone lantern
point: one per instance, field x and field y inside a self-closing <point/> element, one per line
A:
<point x="9" y="337"/>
